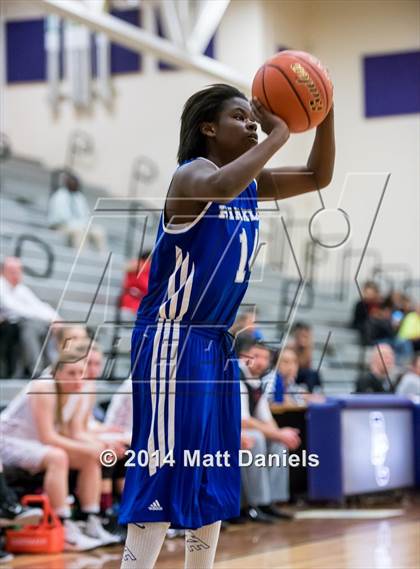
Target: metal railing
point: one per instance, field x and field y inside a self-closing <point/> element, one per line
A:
<point x="44" y="246"/>
<point x="144" y="171"/>
<point x="79" y="143"/>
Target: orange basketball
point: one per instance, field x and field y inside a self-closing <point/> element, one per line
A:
<point x="295" y="86"/>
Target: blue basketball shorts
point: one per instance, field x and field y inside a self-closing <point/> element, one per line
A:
<point x="184" y="464"/>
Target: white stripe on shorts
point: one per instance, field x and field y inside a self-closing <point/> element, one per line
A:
<point x="153" y="394"/>
<point x="160" y="364"/>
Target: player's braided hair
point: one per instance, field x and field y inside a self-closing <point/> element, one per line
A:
<point x="203" y="106"/>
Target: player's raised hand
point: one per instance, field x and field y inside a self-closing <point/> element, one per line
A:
<point x="268" y="120"/>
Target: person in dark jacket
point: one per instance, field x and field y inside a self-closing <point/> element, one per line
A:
<point x="381" y="368"/>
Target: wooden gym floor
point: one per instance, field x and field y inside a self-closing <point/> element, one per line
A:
<point x="383" y="543"/>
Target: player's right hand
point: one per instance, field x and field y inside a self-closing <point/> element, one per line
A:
<point x="267" y="120"/>
<point x="289" y="437"/>
<point x="119" y="447"/>
<point x="95" y="448"/>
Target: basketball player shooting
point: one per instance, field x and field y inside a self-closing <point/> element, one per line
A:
<point x="186" y="394"/>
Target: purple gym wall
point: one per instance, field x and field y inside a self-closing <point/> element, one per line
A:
<point x="392" y="84"/>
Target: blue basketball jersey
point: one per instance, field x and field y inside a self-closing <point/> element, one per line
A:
<point x="200" y="272"/>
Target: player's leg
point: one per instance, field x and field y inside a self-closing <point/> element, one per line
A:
<point x="143" y="544"/>
<point x="201" y="545"/>
<point x="144" y="538"/>
<point x="88" y="479"/>
<point x="279" y="475"/>
<point x="88" y="492"/>
<point x="256" y="480"/>
<point x="98" y="238"/>
<point x="56" y="467"/>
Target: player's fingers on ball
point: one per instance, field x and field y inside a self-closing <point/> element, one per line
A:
<point x="257" y="115"/>
<point x="254" y="109"/>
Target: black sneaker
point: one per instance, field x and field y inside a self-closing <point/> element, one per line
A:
<point x="276" y="513"/>
<point x="5" y="557"/>
<point x="110" y="523"/>
<point x="239" y="520"/>
<point x="13" y="513"/>
<point x="257" y="515"/>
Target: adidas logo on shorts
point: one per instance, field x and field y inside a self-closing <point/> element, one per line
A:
<point x="155" y="506"/>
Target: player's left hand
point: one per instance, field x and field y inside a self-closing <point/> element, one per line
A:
<point x="268" y="120"/>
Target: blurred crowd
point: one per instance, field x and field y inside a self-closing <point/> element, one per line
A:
<point x="392" y="319"/>
<point x="54" y="430"/>
<point x="390" y="326"/>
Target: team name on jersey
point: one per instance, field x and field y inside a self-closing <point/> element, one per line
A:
<point x="237" y="213"/>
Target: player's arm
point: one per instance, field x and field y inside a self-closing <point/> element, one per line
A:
<point x="280" y="183"/>
<point x="43" y="405"/>
<point x="203" y="181"/>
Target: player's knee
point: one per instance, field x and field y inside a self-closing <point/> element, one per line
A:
<point x="57" y="458"/>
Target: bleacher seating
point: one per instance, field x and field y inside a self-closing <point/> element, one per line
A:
<point x="72" y="286"/>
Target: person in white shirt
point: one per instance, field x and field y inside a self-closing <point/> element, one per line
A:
<point x="21" y="305"/>
<point x="38" y="434"/>
<point x="263" y="486"/>
<point x="69" y="212"/>
<point x="409" y="384"/>
<point x="120" y="410"/>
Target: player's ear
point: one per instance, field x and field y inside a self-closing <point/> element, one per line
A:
<point x="208" y="129"/>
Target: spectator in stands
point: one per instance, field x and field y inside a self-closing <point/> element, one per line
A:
<point x="363" y="308"/>
<point x="69" y="212"/>
<point x="410" y="328"/>
<point x="245" y="325"/>
<point x="399" y="303"/>
<point x="67" y="338"/>
<point x="68" y="335"/>
<point x="288" y="367"/>
<point x="267" y="485"/>
<point x="37" y="435"/>
<point x="135" y="286"/>
<point x="409" y="384"/>
<point x="285" y="389"/>
<point x="303" y="345"/>
<point x="9" y="345"/>
<point x="86" y="424"/>
<point x="381" y="369"/>
<point x="119" y="415"/>
<point x="20" y="305"/>
<point x="381" y="330"/>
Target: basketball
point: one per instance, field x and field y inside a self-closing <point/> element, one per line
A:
<point x="295" y="86"/>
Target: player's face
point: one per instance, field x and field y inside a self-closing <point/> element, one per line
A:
<point x="13" y="272"/>
<point x="288" y="365"/>
<point x="259" y="361"/>
<point x="236" y="129"/>
<point x="303" y="338"/>
<point x="383" y="363"/>
<point x="94" y="365"/>
<point x="73" y="335"/>
<point x="70" y="376"/>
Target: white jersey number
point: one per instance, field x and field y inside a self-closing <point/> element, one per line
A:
<point x="240" y="273"/>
